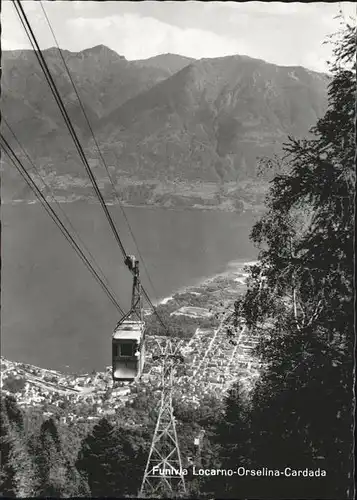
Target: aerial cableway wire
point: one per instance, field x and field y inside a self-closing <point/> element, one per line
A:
<point x="64" y="113"/>
<point x="30" y="34"/>
<point x="98" y="148"/>
<point x="59" y="206"/>
<point x="28" y="179"/>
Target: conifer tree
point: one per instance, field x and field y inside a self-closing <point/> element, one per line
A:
<point x="13" y="412"/>
<point x="57" y="477"/>
<point x="97" y="460"/>
<point x="112" y="459"/>
<point x="232" y="437"/>
<point x="18" y="475"/>
<point x="51" y="469"/>
<point x="132" y="451"/>
<point x="7" y="485"/>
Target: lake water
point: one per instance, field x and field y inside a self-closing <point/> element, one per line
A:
<point x="55" y="315"/>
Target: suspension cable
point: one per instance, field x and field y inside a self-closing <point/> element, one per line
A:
<point x="30" y="34"/>
<point x="26" y="176"/>
<point x="58" y="205"/>
<point x="98" y="148"/>
<point x="53" y="87"/>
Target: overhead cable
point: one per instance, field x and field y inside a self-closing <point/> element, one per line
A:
<point x="53" y="87"/>
<point x="98" y="148"/>
<point x="31" y="36"/>
<point x="57" y="203"/>
<point x="26" y="176"/>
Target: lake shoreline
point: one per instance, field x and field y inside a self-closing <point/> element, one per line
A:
<point x="233" y="269"/>
<point x="256" y="210"/>
<point x="54" y="313"/>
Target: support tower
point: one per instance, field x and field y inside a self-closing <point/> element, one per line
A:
<point x="164" y="455"/>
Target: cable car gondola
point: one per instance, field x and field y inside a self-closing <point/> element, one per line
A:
<point x="128" y="341"/>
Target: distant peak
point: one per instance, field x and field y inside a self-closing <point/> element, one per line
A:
<point x="167" y="55"/>
<point x="101" y="49"/>
<point x="171" y="54"/>
<point x="55" y="51"/>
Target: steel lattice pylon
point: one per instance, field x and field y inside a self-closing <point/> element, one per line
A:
<point x="136" y="300"/>
<point x="164" y="453"/>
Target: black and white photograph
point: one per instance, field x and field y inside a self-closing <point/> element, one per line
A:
<point x="177" y="249"/>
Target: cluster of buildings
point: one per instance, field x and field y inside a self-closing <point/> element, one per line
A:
<point x="49" y="389"/>
<point x="211" y="364"/>
<point x="217" y="361"/>
<point x="212" y="361"/>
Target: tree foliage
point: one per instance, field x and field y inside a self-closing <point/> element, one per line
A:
<point x="112" y="459"/>
<point x="17" y="477"/>
<point x="57" y="476"/>
<point x="97" y="460"/>
<point x="300" y="299"/>
<point x="14" y="384"/>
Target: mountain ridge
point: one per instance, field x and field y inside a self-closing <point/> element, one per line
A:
<point x="217" y="108"/>
<point x="208" y="122"/>
<point x="169" y="61"/>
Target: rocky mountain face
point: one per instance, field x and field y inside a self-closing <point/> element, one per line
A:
<point x="165" y="123"/>
<point x="211" y="120"/>
<point x="104" y="81"/>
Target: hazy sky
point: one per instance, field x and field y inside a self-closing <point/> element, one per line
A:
<point x="281" y="33"/>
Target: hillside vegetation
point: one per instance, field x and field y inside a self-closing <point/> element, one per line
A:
<point x="174" y="131"/>
<point x="299" y="301"/>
